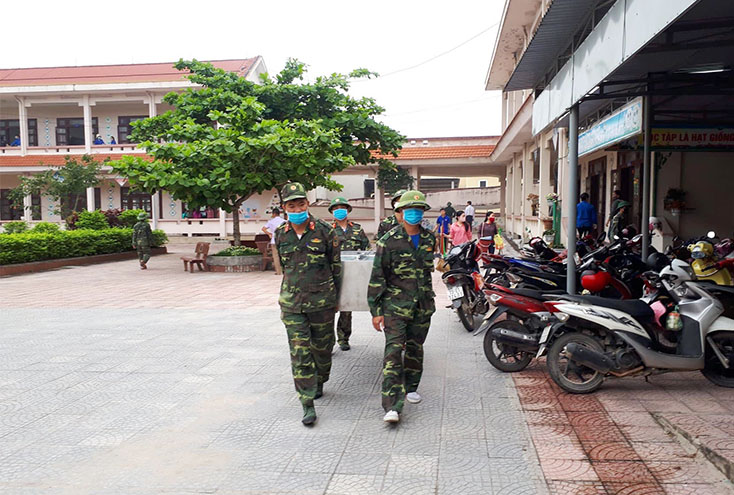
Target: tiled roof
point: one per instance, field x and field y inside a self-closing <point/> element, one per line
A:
<point x="56" y="160"/>
<point x="442" y="152"/>
<point x="101" y="74"/>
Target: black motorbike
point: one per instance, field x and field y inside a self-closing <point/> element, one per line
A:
<point x="464" y="283"/>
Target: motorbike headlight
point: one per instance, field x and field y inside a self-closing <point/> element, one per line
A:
<point x="698" y="255"/>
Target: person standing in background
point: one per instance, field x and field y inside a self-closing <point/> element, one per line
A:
<point x="488" y="228"/>
<point x="460" y="232"/>
<point x="393" y="220"/>
<point x="275" y="221"/>
<point x="585" y="216"/>
<point x="469" y="212"/>
<point x="450" y="211"/>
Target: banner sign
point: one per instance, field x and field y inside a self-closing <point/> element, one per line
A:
<point x="622" y="124"/>
<point x="692" y="137"/>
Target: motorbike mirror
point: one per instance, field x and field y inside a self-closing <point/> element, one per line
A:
<point x="711" y="234"/>
<point x="616" y="237"/>
<point x="637" y="238"/>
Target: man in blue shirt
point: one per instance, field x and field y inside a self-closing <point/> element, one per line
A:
<point x="443" y="225"/>
<point x="585" y="216"/>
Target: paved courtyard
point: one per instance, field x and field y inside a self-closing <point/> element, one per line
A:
<point x="116" y="380"/>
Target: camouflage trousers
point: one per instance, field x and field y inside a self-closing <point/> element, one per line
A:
<point x="344" y="327"/>
<point x="143" y="253"/>
<point x="402" y="365"/>
<point x="311" y="340"/>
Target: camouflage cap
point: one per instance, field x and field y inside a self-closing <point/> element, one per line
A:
<point x="339" y="201"/>
<point x="397" y="195"/>
<point x="291" y="191"/>
<point x="413" y="199"/>
<point x="142" y="216"/>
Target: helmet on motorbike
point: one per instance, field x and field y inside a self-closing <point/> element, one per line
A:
<point x="657" y="261"/>
<point x="595" y="281"/>
<point x="701" y="250"/>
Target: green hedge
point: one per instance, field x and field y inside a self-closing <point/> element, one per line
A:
<point x="31" y="246"/>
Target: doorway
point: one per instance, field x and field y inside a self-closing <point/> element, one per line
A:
<point x="628" y="180"/>
<point x="70" y="131"/>
<point x="596" y="186"/>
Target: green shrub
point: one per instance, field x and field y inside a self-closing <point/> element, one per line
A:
<point x="15" y="227"/>
<point x="35" y="246"/>
<point x="92" y="220"/>
<point x="45" y="227"/>
<point x="238" y="251"/>
<point x="128" y="218"/>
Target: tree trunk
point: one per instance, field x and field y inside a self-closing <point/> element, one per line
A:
<point x="236" y="226"/>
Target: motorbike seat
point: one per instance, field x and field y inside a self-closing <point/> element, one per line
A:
<point x="634" y="307"/>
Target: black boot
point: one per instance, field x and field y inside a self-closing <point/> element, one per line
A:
<point x="309" y="415"/>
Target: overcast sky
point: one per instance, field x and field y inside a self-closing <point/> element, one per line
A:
<point x="444" y="97"/>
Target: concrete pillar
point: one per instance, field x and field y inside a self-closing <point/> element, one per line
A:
<point x="647" y="119"/>
<point x="155" y="211"/>
<point x="90" y="199"/>
<point x="87" y="124"/>
<point x="416" y="173"/>
<point x="23" y="121"/>
<point x="28" y="208"/>
<point x="379" y="205"/>
<point x="222" y="223"/>
<point x="152" y="110"/>
<point x="503" y="196"/>
<point x="545" y="174"/>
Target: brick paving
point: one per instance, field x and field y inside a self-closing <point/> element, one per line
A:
<point x="116" y="380"/>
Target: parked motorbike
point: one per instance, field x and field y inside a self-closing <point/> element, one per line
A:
<point x="705" y="262"/>
<point x="605" y="337"/>
<point x="511" y="343"/>
<point x="464" y="283"/>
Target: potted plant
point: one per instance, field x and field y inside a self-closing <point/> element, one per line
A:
<point x="675" y="201"/>
<point x="235" y="259"/>
<point x="551" y="198"/>
<point x="547" y="223"/>
<point x="534" y="202"/>
<point x="549" y="236"/>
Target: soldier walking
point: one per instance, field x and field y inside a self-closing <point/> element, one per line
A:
<point x="400" y="297"/>
<point x="310" y="257"/>
<point x="142" y="240"/>
<point x="351" y="238"/>
<point x="393" y="220"/>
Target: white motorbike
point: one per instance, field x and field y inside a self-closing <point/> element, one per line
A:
<point x="606" y="337"/>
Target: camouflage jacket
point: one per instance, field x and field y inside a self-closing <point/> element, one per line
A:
<point x="311" y="267"/>
<point x="142" y="235"/>
<point x="386" y="226"/>
<point x="401" y="275"/>
<point x="352" y="239"/>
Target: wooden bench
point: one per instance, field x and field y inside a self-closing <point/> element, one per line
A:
<point x="199" y="258"/>
<point x="267" y="252"/>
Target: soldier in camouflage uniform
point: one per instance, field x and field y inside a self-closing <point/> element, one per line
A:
<point x="400" y="297"/>
<point x="310" y="256"/>
<point x="142" y="240"/>
<point x="393" y="220"/>
<point x="351" y="238"/>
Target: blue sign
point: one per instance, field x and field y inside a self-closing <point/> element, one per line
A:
<point x="622" y="124"/>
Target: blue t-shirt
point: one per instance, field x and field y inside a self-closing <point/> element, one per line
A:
<point x="415" y="239"/>
<point x="444" y="224"/>
<point x="585" y="215"/>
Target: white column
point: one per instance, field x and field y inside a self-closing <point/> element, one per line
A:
<point x="510" y="211"/>
<point x="87" y="123"/>
<point x="28" y="208"/>
<point x="155" y="209"/>
<point x="23" y="121"/>
<point x="379" y="205"/>
<point x="545" y="168"/>
<point x="503" y="198"/>
<point x="152" y="111"/>
<point x="222" y="223"/>
<point x="416" y="173"/>
<point x="90" y="199"/>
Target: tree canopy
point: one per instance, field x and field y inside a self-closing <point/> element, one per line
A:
<point x="231" y="138"/>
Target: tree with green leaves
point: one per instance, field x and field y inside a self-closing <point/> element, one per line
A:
<point x="231" y="138"/>
<point x="394" y="179"/>
<point x="66" y="184"/>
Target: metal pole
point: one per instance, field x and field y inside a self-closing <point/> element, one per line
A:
<point x="647" y="122"/>
<point x="573" y="194"/>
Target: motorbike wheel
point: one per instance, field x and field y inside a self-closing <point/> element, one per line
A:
<point x="713" y="370"/>
<point x="570" y="376"/>
<point x="501" y="356"/>
<point x="465" y="315"/>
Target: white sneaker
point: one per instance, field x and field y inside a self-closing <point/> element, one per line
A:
<point x="391" y="417"/>
<point x="413" y="397"/>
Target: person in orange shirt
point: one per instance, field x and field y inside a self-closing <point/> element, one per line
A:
<point x="460" y="231"/>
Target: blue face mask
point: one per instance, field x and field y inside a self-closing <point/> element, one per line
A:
<point x="298" y="218"/>
<point x="413" y="216"/>
<point x="340" y="214"/>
